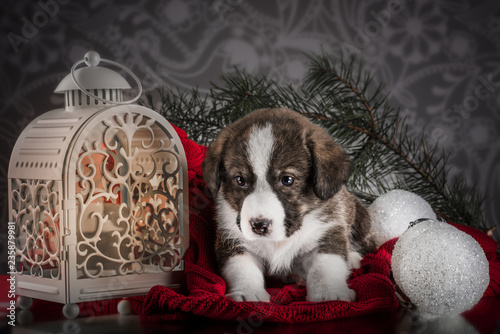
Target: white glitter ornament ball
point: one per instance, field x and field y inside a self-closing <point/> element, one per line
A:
<point x="393" y="212"/>
<point x="441" y="269"/>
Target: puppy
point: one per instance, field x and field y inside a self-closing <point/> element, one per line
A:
<point x="283" y="208"/>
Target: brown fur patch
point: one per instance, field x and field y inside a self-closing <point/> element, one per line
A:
<point x="334" y="241"/>
<point x="225" y="248"/>
<point x="361" y="233"/>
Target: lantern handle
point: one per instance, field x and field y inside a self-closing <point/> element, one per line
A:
<point x="92" y="58"/>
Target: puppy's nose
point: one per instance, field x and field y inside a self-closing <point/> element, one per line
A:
<point x="260" y="226"/>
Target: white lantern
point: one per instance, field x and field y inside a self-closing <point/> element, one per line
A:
<point x="98" y="194"/>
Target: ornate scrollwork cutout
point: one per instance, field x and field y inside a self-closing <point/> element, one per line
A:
<point x="36" y="210"/>
<point x="128" y="199"/>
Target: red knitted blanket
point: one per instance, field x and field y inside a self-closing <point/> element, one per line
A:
<point x="206" y="288"/>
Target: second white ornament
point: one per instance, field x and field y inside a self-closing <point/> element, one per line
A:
<point x="393" y="211"/>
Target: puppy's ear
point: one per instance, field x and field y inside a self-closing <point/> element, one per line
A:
<point x="212" y="164"/>
<point x="331" y="165"/>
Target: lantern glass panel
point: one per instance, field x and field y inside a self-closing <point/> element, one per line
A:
<point x="128" y="199"/>
<point x="37" y="215"/>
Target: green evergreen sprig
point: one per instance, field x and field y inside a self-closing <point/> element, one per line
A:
<point x="342" y="97"/>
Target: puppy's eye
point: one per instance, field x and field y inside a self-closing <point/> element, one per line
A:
<point x="287" y="180"/>
<point x="240" y="181"/>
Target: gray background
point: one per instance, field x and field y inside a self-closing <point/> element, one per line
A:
<point x="439" y="59"/>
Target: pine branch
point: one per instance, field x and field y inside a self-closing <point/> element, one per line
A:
<point x="343" y="98"/>
<point x="419" y="169"/>
<point x="203" y="117"/>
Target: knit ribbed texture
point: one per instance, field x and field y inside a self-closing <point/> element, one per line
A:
<point x="206" y="289"/>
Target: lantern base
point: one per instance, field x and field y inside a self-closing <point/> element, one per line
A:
<point x="24" y="303"/>
<point x="124" y="307"/>
<point x="71" y="311"/>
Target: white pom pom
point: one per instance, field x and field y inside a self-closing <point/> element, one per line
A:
<point x="393" y="211"/>
<point x="441" y="269"/>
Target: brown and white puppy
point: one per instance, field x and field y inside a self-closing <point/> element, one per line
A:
<point x="282" y="207"/>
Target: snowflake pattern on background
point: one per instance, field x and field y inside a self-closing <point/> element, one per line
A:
<point x="435" y="56"/>
<point x="417" y="32"/>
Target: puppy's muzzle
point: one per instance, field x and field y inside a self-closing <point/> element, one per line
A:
<point x="260" y="226"/>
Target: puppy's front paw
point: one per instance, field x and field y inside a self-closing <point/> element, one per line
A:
<point x="354" y="260"/>
<point x="245" y="281"/>
<point x="324" y="292"/>
<point x="249" y="296"/>
<point x="327" y="279"/>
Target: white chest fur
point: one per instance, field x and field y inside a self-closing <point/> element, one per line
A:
<point x="280" y="255"/>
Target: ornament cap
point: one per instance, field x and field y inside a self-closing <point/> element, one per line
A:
<point x="420" y="220"/>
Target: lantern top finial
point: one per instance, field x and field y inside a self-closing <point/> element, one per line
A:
<point x="92" y="58"/>
<point x="92" y="76"/>
<point x="100" y="85"/>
